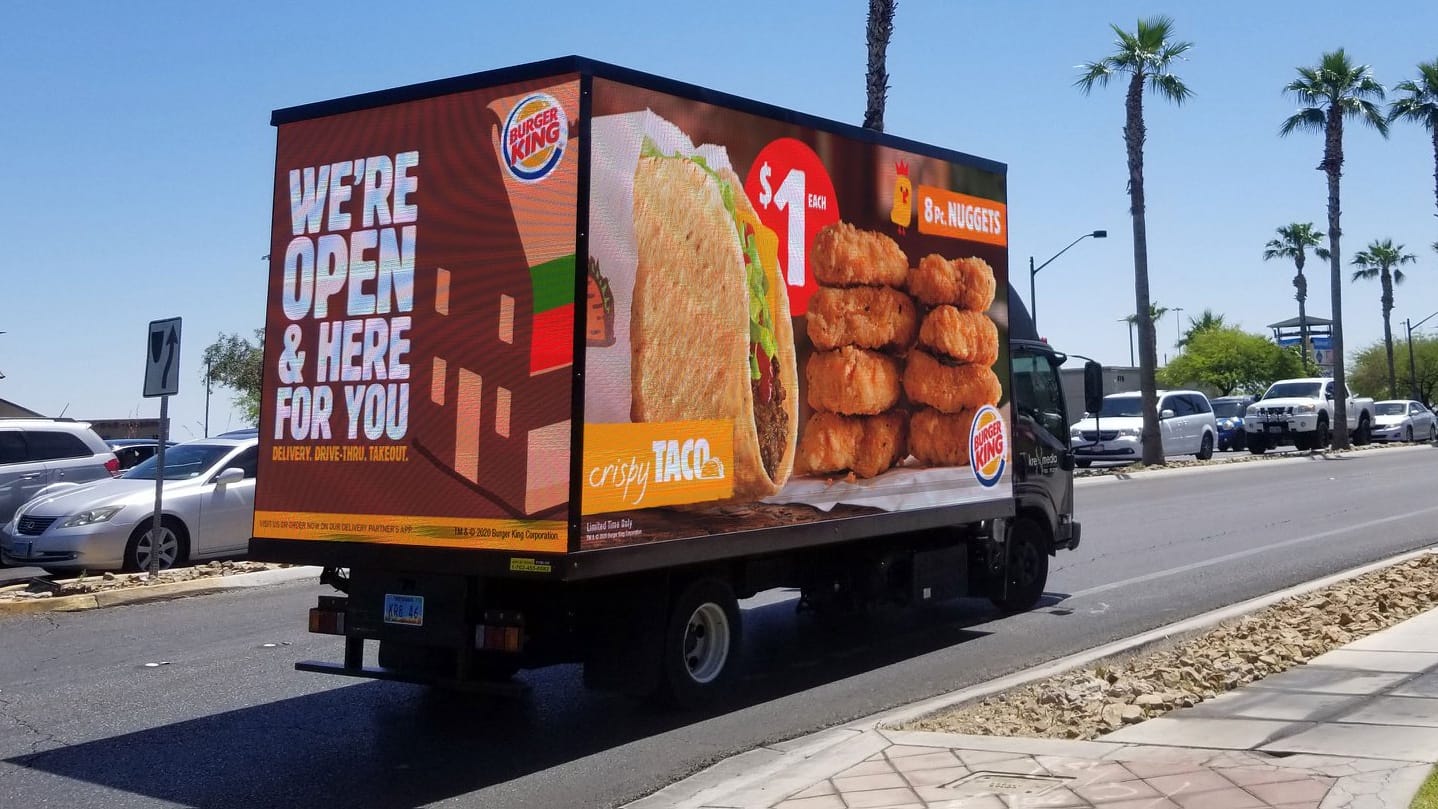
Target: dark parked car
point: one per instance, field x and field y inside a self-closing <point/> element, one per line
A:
<point x="131" y="451"/>
<point x="1229" y="410"/>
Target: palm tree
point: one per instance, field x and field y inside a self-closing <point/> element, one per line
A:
<point x="1331" y="92"/>
<point x="1381" y="260"/>
<point x="1420" y="106"/>
<point x="1293" y="242"/>
<point x="1208" y="321"/>
<point x="1146" y="56"/>
<point x="876" y="81"/>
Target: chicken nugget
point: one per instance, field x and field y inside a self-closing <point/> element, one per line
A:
<point x="864" y="445"/>
<point x="844" y="256"/>
<point x="866" y="317"/>
<point x="960" y="335"/>
<point x="967" y="283"/>
<point x="852" y="381"/>
<point x="949" y="388"/>
<point x="941" y="439"/>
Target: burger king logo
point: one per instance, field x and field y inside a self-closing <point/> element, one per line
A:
<point x="534" y="137"/>
<point x="988" y="447"/>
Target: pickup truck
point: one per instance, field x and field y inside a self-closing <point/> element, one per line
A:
<point x="1300" y="412"/>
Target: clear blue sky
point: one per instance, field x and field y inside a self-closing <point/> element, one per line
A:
<point x="138" y="154"/>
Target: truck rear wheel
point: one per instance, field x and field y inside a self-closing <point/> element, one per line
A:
<point x="1026" y="570"/>
<point x="1364" y="435"/>
<point x="701" y="643"/>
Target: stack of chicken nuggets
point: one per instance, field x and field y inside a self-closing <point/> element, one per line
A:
<point x="949" y="374"/>
<point x="860" y="323"/>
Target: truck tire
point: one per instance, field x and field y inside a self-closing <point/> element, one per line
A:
<point x="1205" y="449"/>
<point x="1026" y="572"/>
<point x="701" y="644"/>
<point x="1364" y="435"/>
<point x="1257" y="443"/>
<point x="1304" y="442"/>
<point x="1321" y="436"/>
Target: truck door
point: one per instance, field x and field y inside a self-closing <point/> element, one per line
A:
<point x="1042" y="462"/>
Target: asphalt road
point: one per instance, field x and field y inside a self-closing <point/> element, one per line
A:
<point x="196" y="702"/>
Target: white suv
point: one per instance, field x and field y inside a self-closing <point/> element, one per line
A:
<point x="35" y="453"/>
<point x="1185" y="420"/>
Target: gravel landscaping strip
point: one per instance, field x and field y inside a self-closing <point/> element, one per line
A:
<point x="105" y="582"/>
<point x="1088" y="702"/>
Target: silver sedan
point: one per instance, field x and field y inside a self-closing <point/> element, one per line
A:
<point x="1403" y="420"/>
<point x="208" y="503"/>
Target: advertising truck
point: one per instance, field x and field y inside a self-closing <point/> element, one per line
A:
<point x="564" y="360"/>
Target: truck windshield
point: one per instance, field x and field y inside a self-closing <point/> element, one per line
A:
<point x="1115" y="406"/>
<point x="1228" y="410"/>
<point x="1295" y="390"/>
<point x="1391" y="408"/>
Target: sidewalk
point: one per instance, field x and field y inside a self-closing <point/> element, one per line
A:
<point x="1356" y="728"/>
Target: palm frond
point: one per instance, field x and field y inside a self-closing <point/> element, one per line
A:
<point x="1322" y="252"/>
<point x="1398" y="277"/>
<point x="1308" y="119"/>
<point x="1170" y="87"/>
<point x="1361" y="275"/>
<point x="1095" y="73"/>
<point x="1367" y="112"/>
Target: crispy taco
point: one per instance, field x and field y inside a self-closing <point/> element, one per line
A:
<point x="710" y="333"/>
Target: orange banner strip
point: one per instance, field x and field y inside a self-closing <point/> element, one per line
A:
<point x="537" y="536"/>
<point x="959" y="216"/>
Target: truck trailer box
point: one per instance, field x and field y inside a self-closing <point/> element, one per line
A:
<point x="566" y="319"/>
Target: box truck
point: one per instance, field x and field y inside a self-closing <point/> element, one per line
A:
<point x="564" y="360"/>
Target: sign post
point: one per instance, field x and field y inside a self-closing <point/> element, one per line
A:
<point x="162" y="379"/>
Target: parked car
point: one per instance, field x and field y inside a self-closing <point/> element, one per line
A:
<point x="131" y="451"/>
<point x="36" y="453"/>
<point x="1228" y="412"/>
<point x="208" y="508"/>
<point x="1403" y="420"/>
<point x="1186" y="423"/>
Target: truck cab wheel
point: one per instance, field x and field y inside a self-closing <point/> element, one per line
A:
<point x="1257" y="443"/>
<point x="1321" y="437"/>
<point x="701" y="644"/>
<point x="1026" y="571"/>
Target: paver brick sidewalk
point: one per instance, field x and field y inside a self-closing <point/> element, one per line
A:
<point x="1356" y="728"/>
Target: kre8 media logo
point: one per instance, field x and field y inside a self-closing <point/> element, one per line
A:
<point x="534" y="137"/>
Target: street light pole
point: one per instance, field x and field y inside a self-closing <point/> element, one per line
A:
<point x="1177" y="326"/>
<point x="1034" y="271"/>
<point x="1412" y="365"/>
<point x="1130" y="322"/>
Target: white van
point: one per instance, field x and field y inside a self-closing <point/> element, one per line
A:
<point x="1185" y="418"/>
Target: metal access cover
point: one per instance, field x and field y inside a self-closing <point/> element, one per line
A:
<point x="1002" y="783"/>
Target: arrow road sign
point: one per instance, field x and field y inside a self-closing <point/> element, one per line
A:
<point x="162" y="358"/>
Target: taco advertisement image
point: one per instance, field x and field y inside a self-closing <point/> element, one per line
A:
<point x="784" y="325"/>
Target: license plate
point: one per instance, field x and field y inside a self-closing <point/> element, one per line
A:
<point x="1275" y="428"/>
<point x="405" y="610"/>
<point x="20" y="550"/>
<point x="1098" y="447"/>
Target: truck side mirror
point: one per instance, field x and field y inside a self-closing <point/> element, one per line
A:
<point x="1092" y="387"/>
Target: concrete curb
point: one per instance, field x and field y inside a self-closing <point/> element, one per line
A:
<point x="158" y="592"/>
<point x="1276" y="460"/>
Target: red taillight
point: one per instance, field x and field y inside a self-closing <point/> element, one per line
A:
<point x="113" y="467"/>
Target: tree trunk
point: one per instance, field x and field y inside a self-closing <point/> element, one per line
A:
<point x="876" y="82"/>
<point x="1134" y="133"/>
<point x="1435" y="167"/>
<point x="1333" y="167"/>
<point x="1388" y="332"/>
<point x="1301" y="285"/>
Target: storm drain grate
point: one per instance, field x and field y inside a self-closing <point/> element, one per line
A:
<point x="1006" y="784"/>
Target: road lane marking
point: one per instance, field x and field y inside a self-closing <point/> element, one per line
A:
<point x="1236" y="555"/>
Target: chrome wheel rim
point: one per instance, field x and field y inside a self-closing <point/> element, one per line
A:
<point x="706" y="643"/>
<point x="169" y="549"/>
